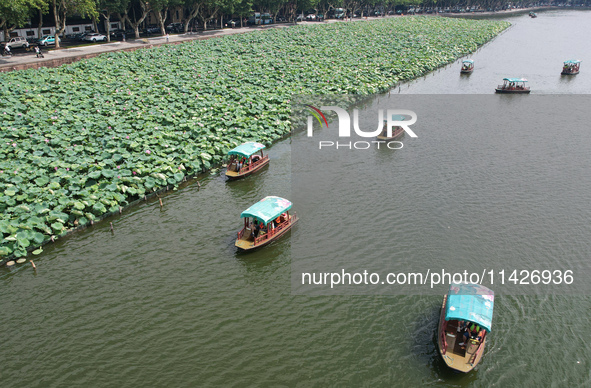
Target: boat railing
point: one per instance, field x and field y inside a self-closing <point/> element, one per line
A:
<point x="253" y="165"/>
<point x="473" y="358"/>
<point x="272" y="232"/>
<point x="241" y="233"/>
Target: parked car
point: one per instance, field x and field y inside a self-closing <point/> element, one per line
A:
<point x="47" y="40"/>
<point x="17" y="41"/>
<point x="95" y="37"/>
<point x="152" y="30"/>
<point x="175" y="28"/>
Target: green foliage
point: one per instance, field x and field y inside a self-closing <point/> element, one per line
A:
<point x="77" y="144"/>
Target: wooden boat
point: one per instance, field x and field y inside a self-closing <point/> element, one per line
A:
<point x="397" y="131"/>
<point x="464" y="324"/>
<point x="571" y="67"/>
<point x="246" y="159"/>
<point x="264" y="222"/>
<point x="467" y="66"/>
<point x="513" y="85"/>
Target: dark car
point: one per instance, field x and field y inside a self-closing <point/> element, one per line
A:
<point x="151" y="30"/>
<point x="175" y="28"/>
<point x="118" y="34"/>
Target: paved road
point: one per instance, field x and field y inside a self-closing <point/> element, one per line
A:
<point x="27" y="59"/>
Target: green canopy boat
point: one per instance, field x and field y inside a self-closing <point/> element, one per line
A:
<point x="246" y="159"/>
<point x="465" y="321"/>
<point x="265" y="221"/>
<point x="571" y="67"/>
<point x="397" y="131"/>
<point x="467" y="66"/>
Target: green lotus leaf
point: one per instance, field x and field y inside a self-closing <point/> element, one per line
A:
<point x="23" y="242"/>
<point x="42" y="181"/>
<point x="57" y="226"/>
<point x="94" y="174"/>
<point x="20" y="252"/>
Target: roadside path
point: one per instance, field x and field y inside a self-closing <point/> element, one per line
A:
<point x="27" y="59"/>
<point x="54" y="58"/>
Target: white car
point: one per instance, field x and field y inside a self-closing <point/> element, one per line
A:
<point x="18" y="41"/>
<point x="95" y="37"/>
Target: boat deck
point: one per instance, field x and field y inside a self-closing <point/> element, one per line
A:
<point x="459" y="358"/>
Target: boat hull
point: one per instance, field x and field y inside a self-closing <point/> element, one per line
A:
<point x="569" y="73"/>
<point x="245" y="245"/>
<point x="512" y="91"/>
<point x="451" y="352"/>
<point x="466" y="71"/>
<point x="398" y="132"/>
<point x="233" y="175"/>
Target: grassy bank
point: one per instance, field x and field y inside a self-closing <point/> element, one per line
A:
<point x="85" y="139"/>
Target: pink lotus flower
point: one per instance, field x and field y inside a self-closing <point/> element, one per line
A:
<point x="148" y="152"/>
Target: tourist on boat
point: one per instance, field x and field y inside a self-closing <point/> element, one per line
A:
<point x="475" y="331"/>
<point x="257" y="229"/>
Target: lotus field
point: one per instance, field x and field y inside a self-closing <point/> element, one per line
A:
<point x="83" y="140"/>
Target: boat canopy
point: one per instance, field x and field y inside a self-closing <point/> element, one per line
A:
<point x="470" y="302"/>
<point x="515" y="79"/>
<point x="397" y="118"/>
<point x="572" y="61"/>
<point x="267" y="209"/>
<point x="247" y="149"/>
<point x="468" y="61"/>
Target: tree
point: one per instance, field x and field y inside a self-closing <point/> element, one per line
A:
<point x="63" y="8"/>
<point x="15" y="13"/>
<point x="160" y="9"/>
<point x="110" y="7"/>
<point x="139" y="10"/>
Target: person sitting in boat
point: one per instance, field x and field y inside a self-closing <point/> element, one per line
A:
<point x="255" y="158"/>
<point x="256" y="229"/>
<point x="475" y="332"/>
<point x="464" y="328"/>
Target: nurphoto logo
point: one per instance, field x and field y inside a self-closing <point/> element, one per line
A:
<point x="388" y="131"/>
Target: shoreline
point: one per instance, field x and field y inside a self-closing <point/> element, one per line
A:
<point x="190" y="177"/>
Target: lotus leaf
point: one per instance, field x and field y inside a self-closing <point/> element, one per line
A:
<point x="107" y="140"/>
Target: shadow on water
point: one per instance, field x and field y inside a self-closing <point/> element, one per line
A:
<point x="567" y="78"/>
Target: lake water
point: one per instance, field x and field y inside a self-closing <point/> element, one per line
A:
<point x="166" y="300"/>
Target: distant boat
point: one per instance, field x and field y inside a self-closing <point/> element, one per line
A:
<point x="464" y="325"/>
<point x="513" y="85"/>
<point x="246" y="159"/>
<point x="571" y="67"/>
<point x="533" y="15"/>
<point x="467" y="66"/>
<point x="397" y="131"/>
<point x="264" y="222"/>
